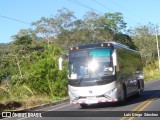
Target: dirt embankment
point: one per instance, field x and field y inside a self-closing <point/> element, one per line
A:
<point x="10" y="105"/>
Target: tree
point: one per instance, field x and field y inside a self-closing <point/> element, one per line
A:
<point x="56" y="27"/>
<point x="125" y="39"/>
<point x="65" y="30"/>
<point x="45" y="28"/>
<point x="144" y="38"/>
<point x="90" y="24"/>
<point x="114" y="22"/>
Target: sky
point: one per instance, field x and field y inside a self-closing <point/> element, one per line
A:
<point x="135" y="12"/>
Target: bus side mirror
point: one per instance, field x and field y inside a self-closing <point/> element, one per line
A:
<point x="60" y="60"/>
<point x="114" y="56"/>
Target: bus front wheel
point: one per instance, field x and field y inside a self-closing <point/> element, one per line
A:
<point x="83" y="105"/>
<point x="123" y="99"/>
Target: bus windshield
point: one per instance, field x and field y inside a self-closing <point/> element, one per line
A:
<point x="90" y="63"/>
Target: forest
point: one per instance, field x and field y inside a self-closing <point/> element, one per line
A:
<point x="29" y="72"/>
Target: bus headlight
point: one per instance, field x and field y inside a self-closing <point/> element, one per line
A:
<point x="93" y="65"/>
<point x="73" y="96"/>
<point x="110" y="92"/>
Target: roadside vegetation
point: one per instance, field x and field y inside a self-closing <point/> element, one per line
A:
<point x="29" y="64"/>
<point x="151" y="71"/>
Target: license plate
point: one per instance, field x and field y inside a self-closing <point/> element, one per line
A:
<point x="92" y="99"/>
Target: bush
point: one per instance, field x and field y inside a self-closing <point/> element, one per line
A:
<point x="151" y="71"/>
<point x="43" y="76"/>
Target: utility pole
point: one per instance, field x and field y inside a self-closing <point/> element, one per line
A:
<point x="157" y="47"/>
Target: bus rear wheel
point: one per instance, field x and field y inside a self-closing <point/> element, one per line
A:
<point x="139" y="90"/>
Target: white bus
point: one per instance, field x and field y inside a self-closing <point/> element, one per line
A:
<point x="103" y="72"/>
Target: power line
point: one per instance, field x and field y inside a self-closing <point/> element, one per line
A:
<point x="112" y="10"/>
<point x="14" y="19"/>
<point x="88" y="7"/>
<point x="102" y="5"/>
<point x="84" y="5"/>
<point x="127" y="10"/>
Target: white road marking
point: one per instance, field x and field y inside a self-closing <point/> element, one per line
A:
<point x="49" y="106"/>
<point x="59" y="107"/>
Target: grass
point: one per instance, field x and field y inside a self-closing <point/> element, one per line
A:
<point x="38" y="100"/>
<point x="35" y="100"/>
<point x="22" y="97"/>
<point x="151" y="72"/>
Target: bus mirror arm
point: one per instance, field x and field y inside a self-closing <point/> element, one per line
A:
<point x="60" y="60"/>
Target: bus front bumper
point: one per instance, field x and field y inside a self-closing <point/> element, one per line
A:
<point x="93" y="101"/>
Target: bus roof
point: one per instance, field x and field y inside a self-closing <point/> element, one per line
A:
<point x="101" y="45"/>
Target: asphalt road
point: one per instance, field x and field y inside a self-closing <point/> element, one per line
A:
<point x="148" y="101"/>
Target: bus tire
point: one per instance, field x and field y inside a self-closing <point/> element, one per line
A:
<point x="83" y="106"/>
<point x="123" y="99"/>
<point x="139" y="90"/>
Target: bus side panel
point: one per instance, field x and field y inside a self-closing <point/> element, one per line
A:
<point x="129" y="63"/>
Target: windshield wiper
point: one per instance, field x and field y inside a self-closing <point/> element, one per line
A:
<point x="80" y="80"/>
